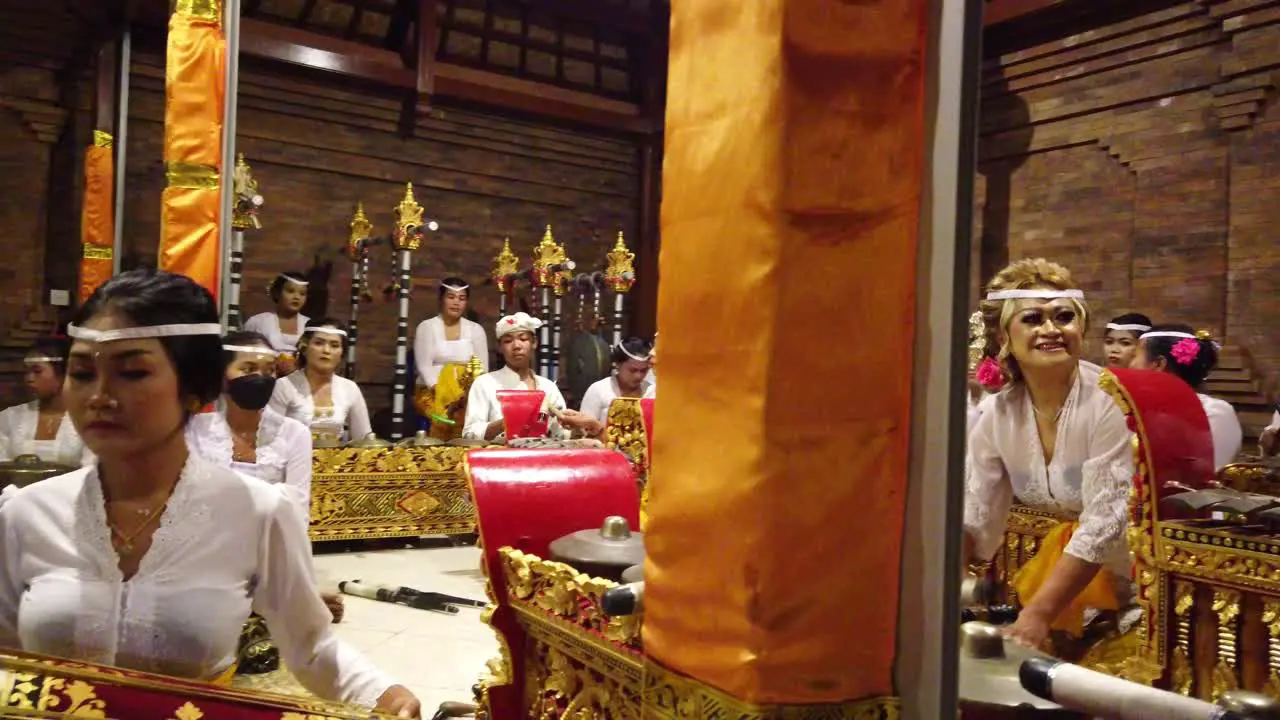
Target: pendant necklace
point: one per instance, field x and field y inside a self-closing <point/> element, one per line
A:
<point x="127" y="539"/>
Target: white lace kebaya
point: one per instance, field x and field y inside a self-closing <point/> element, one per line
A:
<point x="283" y="452"/>
<point x="1087" y="480"/>
<point x="226" y="544"/>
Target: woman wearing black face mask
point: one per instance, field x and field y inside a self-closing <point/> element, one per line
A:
<point x="244" y="434"/>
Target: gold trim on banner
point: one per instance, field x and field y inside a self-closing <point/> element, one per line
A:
<point x="191" y="175"/>
<point x="667" y="695"/>
<point x="199" y="9"/>
<point x="102" y="139"/>
<point x="97" y="252"/>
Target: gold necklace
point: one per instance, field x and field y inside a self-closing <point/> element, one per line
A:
<point x="1051" y="418"/>
<point x="127" y="539"/>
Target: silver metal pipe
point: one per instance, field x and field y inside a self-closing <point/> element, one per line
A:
<point x="927" y="664"/>
<point x="231" y="32"/>
<point x="121" y="145"/>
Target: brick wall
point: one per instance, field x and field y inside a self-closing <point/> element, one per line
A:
<point x="316" y="150"/>
<point x="24" y="186"/>
<point x="1145" y="156"/>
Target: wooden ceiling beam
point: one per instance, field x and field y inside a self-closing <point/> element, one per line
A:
<point x="995" y="12"/>
<point x="385" y="68"/>
<point x="592" y="12"/>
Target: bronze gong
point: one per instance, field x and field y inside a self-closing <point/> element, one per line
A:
<point x="603" y="552"/>
<point x="27" y="469"/>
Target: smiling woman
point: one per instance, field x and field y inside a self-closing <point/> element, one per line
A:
<point x="152" y="558"/>
<point x="1055" y="441"/>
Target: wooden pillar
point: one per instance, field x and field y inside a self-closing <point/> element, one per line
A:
<point x="653" y="97"/>
<point x="790" y="220"/>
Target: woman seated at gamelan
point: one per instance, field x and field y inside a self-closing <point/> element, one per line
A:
<point x="152" y="559"/>
<point x="442" y="347"/>
<point x="517" y="343"/>
<point x="630" y="371"/>
<point x="242" y="433"/>
<point x="1054" y="441"/>
<point x="315" y="395"/>
<point x="283" y="326"/>
<point x="1121" y="339"/>
<point x="1177" y="349"/>
<point x="41" y="427"/>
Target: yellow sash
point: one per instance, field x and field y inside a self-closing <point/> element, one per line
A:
<point x="1100" y="593"/>
<point x="226" y="676"/>
<point x="448" y="391"/>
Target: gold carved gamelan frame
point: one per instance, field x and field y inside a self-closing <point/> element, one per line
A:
<point x="367" y="493"/>
<point x="580" y="664"/>
<point x="1210" y="595"/>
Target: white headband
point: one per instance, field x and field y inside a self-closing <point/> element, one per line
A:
<point x="1037" y="294"/>
<point x="294" y="280"/>
<point x="637" y="358"/>
<point x="35" y="359"/>
<point x="1129" y="328"/>
<point x="251" y="349"/>
<point x="455" y="288"/>
<point x="146" y="331"/>
<point x="325" y="330"/>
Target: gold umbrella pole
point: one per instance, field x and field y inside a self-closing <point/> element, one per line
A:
<point x="407" y="237"/>
<point x="358" y="253"/>
<point x="244" y="216"/>
<point x="620" y="276"/>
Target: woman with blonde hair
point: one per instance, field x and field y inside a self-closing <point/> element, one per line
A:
<point x="1054" y="441"/>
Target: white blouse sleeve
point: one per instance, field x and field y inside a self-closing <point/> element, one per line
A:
<point x="6" y="433"/>
<point x="478" y="411"/>
<point x="988" y="494"/>
<point x="424" y="352"/>
<point x="480" y="344"/>
<point x="1228" y="436"/>
<point x="10" y="574"/>
<point x="287" y="596"/>
<point x="358" y="424"/>
<point x="1275" y="422"/>
<point x="297" y="469"/>
<point x="593" y="403"/>
<point x="282" y="397"/>
<point x="1104" y="489"/>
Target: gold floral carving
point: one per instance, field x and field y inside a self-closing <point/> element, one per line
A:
<point x="1226" y="605"/>
<point x="505" y="264"/>
<point x="619" y="273"/>
<point x="1184" y="599"/>
<point x="364" y="493"/>
<point x="1271" y="620"/>
<point x="624" y="432"/>
<point x="561" y="591"/>
<point x="188" y="712"/>
<point x="408" y="218"/>
<point x="1251" y="477"/>
<point x="670" y="696"/>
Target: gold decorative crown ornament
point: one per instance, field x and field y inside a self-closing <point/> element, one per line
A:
<point x="408" y="221"/>
<point x="546" y="255"/>
<point x="620" y="273"/>
<point x="244" y="211"/>
<point x="473" y="369"/>
<point x="360" y="229"/>
<point x="977" y="339"/>
<point x="505" y="265"/>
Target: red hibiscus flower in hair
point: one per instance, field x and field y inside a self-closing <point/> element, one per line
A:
<point x="1185" y="351"/>
<point x="989" y="374"/>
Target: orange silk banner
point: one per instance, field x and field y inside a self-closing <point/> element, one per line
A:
<point x="194" y="99"/>
<point x="792" y="183"/>
<point x="97" y="227"/>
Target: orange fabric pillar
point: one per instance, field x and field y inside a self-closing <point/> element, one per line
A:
<point x="194" y="97"/>
<point x="97" y="225"/>
<point x="792" y="183"/>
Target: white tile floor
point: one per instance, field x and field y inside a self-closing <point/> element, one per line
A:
<point x="439" y="657"/>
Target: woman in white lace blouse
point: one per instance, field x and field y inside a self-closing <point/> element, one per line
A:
<point x="152" y="558"/>
<point x="244" y="434"/>
<point x="42" y="427"/>
<point x="1055" y="441"/>
<point x="315" y="395"/>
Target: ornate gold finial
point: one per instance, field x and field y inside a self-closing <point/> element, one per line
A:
<point x="620" y="273"/>
<point x="977" y="339"/>
<point x="505" y="265"/>
<point x="360" y="230"/>
<point x="244" y="212"/>
<point x="546" y="255"/>
<point x="1204" y="335"/>
<point x="472" y="370"/>
<point x="408" y="221"/>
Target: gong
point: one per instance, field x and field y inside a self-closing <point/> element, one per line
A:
<point x="587" y="362"/>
